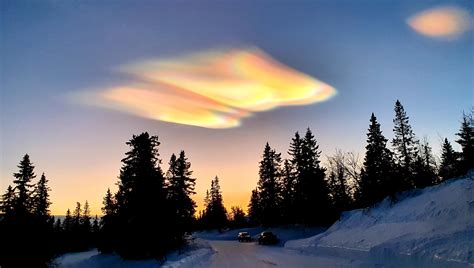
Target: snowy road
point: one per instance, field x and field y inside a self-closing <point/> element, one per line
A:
<point x="234" y="254"/>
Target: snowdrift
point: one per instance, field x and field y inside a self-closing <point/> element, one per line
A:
<point x="431" y="226"/>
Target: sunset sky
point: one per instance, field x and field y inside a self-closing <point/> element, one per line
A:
<point x="218" y="79"/>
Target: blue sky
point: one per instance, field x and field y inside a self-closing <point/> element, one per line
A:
<point x="364" y="49"/>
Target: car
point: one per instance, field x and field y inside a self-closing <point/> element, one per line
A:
<point x="244" y="237"/>
<point x="267" y="238"/>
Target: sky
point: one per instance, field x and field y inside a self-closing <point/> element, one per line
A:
<point x="219" y="79"/>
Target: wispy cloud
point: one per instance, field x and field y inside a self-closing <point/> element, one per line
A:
<point x="441" y="22"/>
<point x="213" y="89"/>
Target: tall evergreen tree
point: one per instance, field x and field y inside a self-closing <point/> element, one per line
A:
<point x="424" y="167"/>
<point x="312" y="203"/>
<point x="287" y="192"/>
<point x="41" y="199"/>
<point x="86" y="218"/>
<point x="77" y="218"/>
<point x="215" y="214"/>
<point x="141" y="202"/>
<point x="254" y="207"/>
<point x="377" y="178"/>
<point x="405" y="145"/>
<point x="180" y="187"/>
<point x="8" y="201"/>
<point x="107" y="238"/>
<point x="269" y="186"/>
<point x="68" y="221"/>
<point x="466" y="140"/>
<point x="24" y="188"/>
<point x="449" y="163"/>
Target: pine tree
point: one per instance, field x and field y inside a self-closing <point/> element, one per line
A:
<point x="95" y="225"/>
<point x="377" y="178"/>
<point x="58" y="227"/>
<point x="466" y="140"/>
<point x="41" y="199"/>
<point x="254" y="207"/>
<point x="405" y="145"/>
<point x="23" y="198"/>
<point x="338" y="184"/>
<point x="77" y="218"/>
<point x="107" y="238"/>
<point x="424" y="167"/>
<point x="86" y="218"/>
<point x="449" y="163"/>
<point x="142" y="213"/>
<point x="269" y="186"/>
<point x="312" y="204"/>
<point x="238" y="217"/>
<point x="8" y="201"/>
<point x="180" y="187"/>
<point x="68" y="222"/>
<point x="287" y="192"/>
<point x="216" y="214"/>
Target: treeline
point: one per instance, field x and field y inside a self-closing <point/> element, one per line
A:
<point x="300" y="190"/>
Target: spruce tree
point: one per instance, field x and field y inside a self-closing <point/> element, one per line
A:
<point x="24" y="188"/>
<point x="254" y="208"/>
<point x="77" y="218"/>
<point x="377" y="179"/>
<point x="238" y="217"/>
<point x="449" y="163"/>
<point x="312" y="203"/>
<point x="424" y="167"/>
<point x="107" y="238"/>
<point x="86" y="218"/>
<point x="95" y="225"/>
<point x="141" y="202"/>
<point x="405" y="145"/>
<point x="41" y="199"/>
<point x="68" y="222"/>
<point x="216" y="214"/>
<point x="466" y="140"/>
<point x="180" y="187"/>
<point x="287" y="192"/>
<point x="269" y="186"/>
<point x="8" y="201"/>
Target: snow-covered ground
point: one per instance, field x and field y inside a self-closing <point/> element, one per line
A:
<point x="432" y="226"/>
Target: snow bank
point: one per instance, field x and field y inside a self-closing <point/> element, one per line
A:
<point x="196" y="254"/>
<point x="435" y="224"/>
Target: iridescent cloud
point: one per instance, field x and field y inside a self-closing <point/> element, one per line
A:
<point x="448" y="21"/>
<point x="212" y="89"/>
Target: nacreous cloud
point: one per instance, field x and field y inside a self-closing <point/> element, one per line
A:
<point x="213" y="89"/>
<point x="441" y="22"/>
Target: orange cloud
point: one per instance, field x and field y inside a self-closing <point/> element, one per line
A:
<point x="213" y="89"/>
<point x="447" y="21"/>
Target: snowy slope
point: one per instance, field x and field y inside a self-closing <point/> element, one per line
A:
<point x="435" y="225"/>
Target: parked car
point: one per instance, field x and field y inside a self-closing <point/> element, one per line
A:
<point x="267" y="238"/>
<point x="244" y="237"/>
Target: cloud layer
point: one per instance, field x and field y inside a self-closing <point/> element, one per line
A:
<point x="213" y="89"/>
<point x="444" y="22"/>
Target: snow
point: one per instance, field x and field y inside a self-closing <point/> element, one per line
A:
<point x="432" y="226"/>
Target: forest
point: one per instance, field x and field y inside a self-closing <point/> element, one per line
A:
<point x="152" y="211"/>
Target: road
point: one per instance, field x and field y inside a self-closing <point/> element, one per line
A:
<point x="231" y="254"/>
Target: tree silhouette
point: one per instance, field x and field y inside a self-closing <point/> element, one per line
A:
<point x="405" y="145"/>
<point x="377" y="179"/>
<point x="269" y="186"/>
<point x="23" y="198"/>
<point x="254" y="208"/>
<point x="215" y="215"/>
<point x="8" y="202"/>
<point x="41" y="199"/>
<point x="180" y="187"/>
<point x="287" y="192"/>
<point x="312" y="203"/>
<point x="141" y="202"/>
<point x="466" y="140"/>
<point x="449" y="163"/>
<point x="424" y="166"/>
